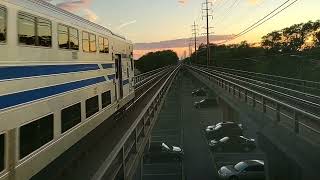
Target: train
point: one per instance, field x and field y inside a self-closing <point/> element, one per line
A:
<point x="61" y="76"/>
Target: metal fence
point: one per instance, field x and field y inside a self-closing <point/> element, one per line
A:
<point x="304" y="123"/>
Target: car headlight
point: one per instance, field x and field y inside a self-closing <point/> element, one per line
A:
<point x="222" y="173"/>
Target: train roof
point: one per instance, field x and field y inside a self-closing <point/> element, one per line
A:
<point x="49" y="9"/>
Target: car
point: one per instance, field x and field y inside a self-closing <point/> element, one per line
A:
<point x="233" y="143"/>
<point x="221" y="130"/>
<point x="248" y="169"/>
<point x="199" y="92"/>
<point x="205" y="103"/>
<point x="223" y="123"/>
<point x="163" y="152"/>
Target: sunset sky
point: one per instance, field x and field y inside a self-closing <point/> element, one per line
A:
<point x="152" y="21"/>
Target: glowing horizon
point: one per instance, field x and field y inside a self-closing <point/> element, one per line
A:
<point x="143" y="21"/>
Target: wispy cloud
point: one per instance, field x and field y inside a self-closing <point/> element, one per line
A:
<point x="182" y="2"/>
<point x="177" y="43"/>
<point x="90" y="15"/>
<point x="76" y="5"/>
<point x="81" y="7"/>
<point x="127" y="24"/>
<point x="254" y="2"/>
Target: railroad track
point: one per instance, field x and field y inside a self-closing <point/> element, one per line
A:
<point x="296" y="98"/>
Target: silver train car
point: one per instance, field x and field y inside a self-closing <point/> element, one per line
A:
<point x="60" y="77"/>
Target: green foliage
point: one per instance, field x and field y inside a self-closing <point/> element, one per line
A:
<point x="293" y="38"/>
<point x="287" y="52"/>
<point x="155" y="60"/>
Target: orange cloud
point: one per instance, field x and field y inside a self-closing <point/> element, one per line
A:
<point x="79" y="7"/>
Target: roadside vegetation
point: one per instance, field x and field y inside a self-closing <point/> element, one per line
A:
<point x="155" y="60"/>
<point x="293" y="51"/>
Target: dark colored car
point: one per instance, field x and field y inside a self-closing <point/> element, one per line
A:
<point x="163" y="152"/>
<point x="205" y="103"/>
<point x="224" y="129"/>
<point x="249" y="169"/>
<point x="199" y="92"/>
<point x="233" y="144"/>
<point x="224" y="123"/>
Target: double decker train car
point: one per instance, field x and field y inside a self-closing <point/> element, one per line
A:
<point x="60" y="77"/>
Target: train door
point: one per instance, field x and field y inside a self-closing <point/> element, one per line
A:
<point x="118" y="67"/>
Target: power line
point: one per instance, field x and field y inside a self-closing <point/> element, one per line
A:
<point x="226" y="27"/>
<point x="235" y="3"/>
<point x="261" y="21"/>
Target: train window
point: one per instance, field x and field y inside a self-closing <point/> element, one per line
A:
<point x="35" y="134"/>
<point x="2" y="159"/>
<point x="70" y="117"/>
<point x="92" y="106"/>
<point x="63" y="38"/>
<point x="106" y="45"/>
<point x="68" y="37"/>
<point x="93" y="45"/>
<point x="27" y="29"/>
<point x="85" y="42"/>
<point x="33" y="30"/>
<point x="106" y="99"/>
<point x="101" y="47"/>
<point x="3" y="24"/>
<point x="44" y="32"/>
<point x="74" y="38"/>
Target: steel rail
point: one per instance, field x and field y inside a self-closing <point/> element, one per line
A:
<point x="146" y="111"/>
<point x="269" y="84"/>
<point x="145" y="79"/>
<point x="314" y="102"/>
<point x="300" y="83"/>
<point x="141" y="77"/>
<point x="296" y="112"/>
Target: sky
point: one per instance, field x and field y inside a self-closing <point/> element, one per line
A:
<point x="161" y="21"/>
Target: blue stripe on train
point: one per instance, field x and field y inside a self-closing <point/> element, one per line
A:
<point x="111" y="76"/>
<point x="125" y="82"/>
<point x="29" y="71"/>
<point x="31" y="95"/>
<point x="107" y="66"/>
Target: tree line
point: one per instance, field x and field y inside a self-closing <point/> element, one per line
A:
<point x="298" y="37"/>
<point x="155" y="60"/>
<point x="293" y="51"/>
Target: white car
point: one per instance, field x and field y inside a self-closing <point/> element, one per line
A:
<point x="249" y="169"/>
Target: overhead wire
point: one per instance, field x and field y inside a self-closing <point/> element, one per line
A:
<point x="262" y="20"/>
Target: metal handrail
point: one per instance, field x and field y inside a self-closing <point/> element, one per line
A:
<point x="269" y="84"/>
<point x="296" y="99"/>
<point x="255" y="94"/>
<point x="312" y="85"/>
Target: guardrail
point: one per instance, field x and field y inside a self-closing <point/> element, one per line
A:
<point x="299" y="117"/>
<point x="145" y="76"/>
<point x="121" y="160"/>
<point x="308" y="102"/>
<point x="306" y="86"/>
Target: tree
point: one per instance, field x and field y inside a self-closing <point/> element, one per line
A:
<point x="155" y="60"/>
<point x="272" y="42"/>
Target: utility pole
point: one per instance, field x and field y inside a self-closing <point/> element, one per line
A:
<point x="194" y="32"/>
<point x="207" y="8"/>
